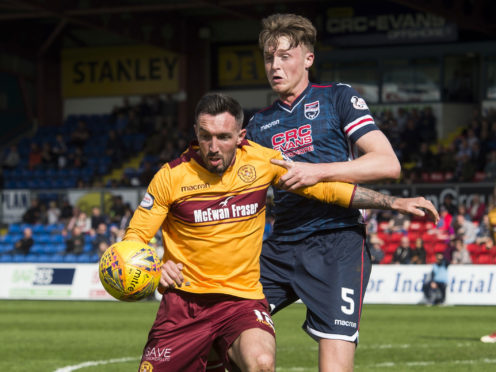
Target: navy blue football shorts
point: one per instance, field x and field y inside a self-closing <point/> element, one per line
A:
<point x="328" y="271"/>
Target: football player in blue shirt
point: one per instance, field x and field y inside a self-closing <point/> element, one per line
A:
<point x="317" y="252"/>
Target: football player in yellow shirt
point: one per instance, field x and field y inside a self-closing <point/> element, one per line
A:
<point x="210" y="205"/>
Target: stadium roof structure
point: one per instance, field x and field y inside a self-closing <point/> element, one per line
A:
<point x="29" y="28"/>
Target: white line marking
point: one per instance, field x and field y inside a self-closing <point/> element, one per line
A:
<point x="92" y="363"/>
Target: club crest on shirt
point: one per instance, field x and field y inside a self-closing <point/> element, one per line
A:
<point x="146" y="367"/>
<point x="312" y="110"/>
<point x="247" y="173"/>
<point x="359" y="103"/>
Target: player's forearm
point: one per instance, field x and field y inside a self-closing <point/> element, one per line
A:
<point x="369" y="199"/>
<point x="371" y="167"/>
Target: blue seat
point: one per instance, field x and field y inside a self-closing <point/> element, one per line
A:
<point x="31" y="257"/>
<point x="19" y="258"/>
<point x="56" y="239"/>
<point x="56" y="258"/>
<point x="5" y="258"/>
<point x="37" y="248"/>
<point x="40" y="229"/>
<point x="12" y="238"/>
<point x="15" y="228"/>
<point x="70" y="258"/>
<point x="83" y="257"/>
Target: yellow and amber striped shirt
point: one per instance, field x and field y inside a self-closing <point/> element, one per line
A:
<point x="214" y="224"/>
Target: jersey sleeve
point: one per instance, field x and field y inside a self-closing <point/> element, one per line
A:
<point x="153" y="209"/>
<point x="339" y="193"/>
<point x="355" y="116"/>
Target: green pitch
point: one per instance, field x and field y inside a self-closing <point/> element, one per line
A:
<point x="49" y="336"/>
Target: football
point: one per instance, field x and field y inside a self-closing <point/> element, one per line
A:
<point x="129" y="270"/>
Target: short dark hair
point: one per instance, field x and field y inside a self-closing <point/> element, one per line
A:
<point x="218" y="103"/>
<point x="298" y="29"/>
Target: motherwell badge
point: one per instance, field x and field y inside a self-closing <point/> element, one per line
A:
<point x="312" y="110"/>
<point x="247" y="173"/>
<point x="146" y="367"/>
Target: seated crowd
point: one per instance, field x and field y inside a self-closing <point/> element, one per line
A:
<point x="465" y="234"/>
<point x="66" y="233"/>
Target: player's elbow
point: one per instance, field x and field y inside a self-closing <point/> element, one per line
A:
<point x="394" y="170"/>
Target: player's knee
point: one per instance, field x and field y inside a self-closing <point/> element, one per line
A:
<point x="265" y="362"/>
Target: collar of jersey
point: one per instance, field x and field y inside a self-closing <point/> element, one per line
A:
<point x="297" y="101"/>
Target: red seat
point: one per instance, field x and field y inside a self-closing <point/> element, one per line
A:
<point x="479" y="177"/>
<point x="382" y="226"/>
<point x="413" y="235"/>
<point x="390" y="247"/>
<point x="387" y="259"/>
<point x="437" y="177"/>
<point x="440" y="247"/>
<point x="417" y="226"/>
<point x="474" y="248"/>
<point x="431" y="258"/>
<point x="483" y="259"/>
<point x="395" y="237"/>
<point x="426" y="237"/>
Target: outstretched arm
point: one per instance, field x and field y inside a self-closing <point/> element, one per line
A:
<point x="350" y="196"/>
<point x="369" y="199"/>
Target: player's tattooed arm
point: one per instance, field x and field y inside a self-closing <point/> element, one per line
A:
<point x="369" y="199"/>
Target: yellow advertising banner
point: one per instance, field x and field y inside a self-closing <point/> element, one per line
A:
<point x="240" y="65"/>
<point x="117" y="71"/>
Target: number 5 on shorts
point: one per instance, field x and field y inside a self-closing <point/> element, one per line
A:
<point x="346" y="294"/>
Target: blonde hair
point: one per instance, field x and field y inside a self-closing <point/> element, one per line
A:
<point x="298" y="30"/>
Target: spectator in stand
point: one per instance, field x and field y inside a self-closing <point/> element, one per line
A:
<point x="117" y="209"/>
<point x="477" y="209"/>
<point x="33" y="213"/>
<point x="47" y="159"/>
<point x="101" y="240"/>
<point x="465" y="169"/>
<point x="34" y="157"/>
<point x="97" y="218"/>
<point x="376" y="252"/>
<point x="418" y="253"/>
<point x="462" y="209"/>
<point x="449" y="205"/>
<point x="424" y="159"/>
<point x="399" y="224"/>
<point x="66" y="211"/>
<point x="128" y="214"/>
<point x="146" y="174"/>
<point x="53" y="213"/>
<point x="80" y="134"/>
<point x="460" y="255"/>
<point x="435" y="286"/>
<point x="371" y="221"/>
<point x="402" y="254"/>
<point x="115" y="148"/>
<point x="23" y="245"/>
<point x="59" y="151"/>
<point x="12" y="158"/>
<point x="465" y="229"/>
<point x="490" y="168"/>
<point x="75" y="244"/>
<point x="484" y="233"/>
<point x="77" y="158"/>
<point x="81" y="220"/>
<point x="447" y="161"/>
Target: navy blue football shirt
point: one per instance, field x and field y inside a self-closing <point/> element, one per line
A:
<point x="321" y="126"/>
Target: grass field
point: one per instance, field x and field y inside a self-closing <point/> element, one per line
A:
<point x="49" y="336"/>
